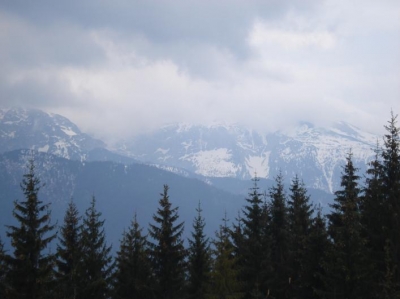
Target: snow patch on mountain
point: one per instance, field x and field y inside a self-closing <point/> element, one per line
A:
<point x="258" y="165"/>
<point x="68" y="131"/>
<point x="220" y="150"/>
<point x="163" y="151"/>
<point x="163" y="157"/>
<point x="187" y="144"/>
<point x="217" y="150"/>
<point x="183" y="127"/>
<point x="214" y="163"/>
<point x="44" y="149"/>
<point x="46" y="132"/>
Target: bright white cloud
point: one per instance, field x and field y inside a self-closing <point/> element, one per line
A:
<point x="263" y="36"/>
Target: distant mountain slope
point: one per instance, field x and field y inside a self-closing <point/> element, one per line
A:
<point x="48" y="133"/>
<point x="315" y="154"/>
<point x="203" y="152"/>
<point x="120" y="191"/>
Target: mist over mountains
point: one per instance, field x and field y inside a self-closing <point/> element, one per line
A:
<point x="220" y="150"/>
<point x="315" y="154"/>
<point x="211" y="164"/>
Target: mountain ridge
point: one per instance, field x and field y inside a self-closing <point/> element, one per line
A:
<point x="218" y="150"/>
<point x="233" y="151"/>
<point x="120" y="190"/>
<point x="45" y="132"/>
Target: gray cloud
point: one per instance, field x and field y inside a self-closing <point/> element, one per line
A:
<point x="37" y="90"/>
<point x="130" y="66"/>
<point x="27" y="45"/>
<point x="222" y="23"/>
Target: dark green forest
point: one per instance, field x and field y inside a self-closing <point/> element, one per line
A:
<point x="277" y="246"/>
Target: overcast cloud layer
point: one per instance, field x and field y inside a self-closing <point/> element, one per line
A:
<point x="117" y="68"/>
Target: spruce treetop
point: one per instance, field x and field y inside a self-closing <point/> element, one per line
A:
<point x="30" y="266"/>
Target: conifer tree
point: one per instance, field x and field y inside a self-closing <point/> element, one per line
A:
<point x="96" y="266"/>
<point x="69" y="251"/>
<point x="380" y="215"/>
<point x="224" y="275"/>
<point x="266" y="264"/>
<point x="238" y="237"/>
<point x="389" y="286"/>
<point x="167" y="250"/>
<point x="374" y="220"/>
<point x="133" y="273"/>
<point x="254" y="258"/>
<point x="391" y="186"/>
<point x="199" y="265"/>
<point x="30" y="267"/>
<point x="280" y="286"/>
<point x="316" y="258"/>
<point x="300" y="219"/>
<point x="2" y="271"/>
<point x="348" y="256"/>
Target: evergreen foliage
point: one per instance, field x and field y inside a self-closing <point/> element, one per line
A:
<point x="199" y="264"/>
<point x="280" y="286"/>
<point x="30" y="268"/>
<point x="391" y="186"/>
<point x="276" y="249"/>
<point x="167" y="251"/>
<point x="224" y="275"/>
<point x="300" y="221"/>
<point x="2" y="271"/>
<point x="380" y="216"/>
<point x="347" y="264"/>
<point x="389" y="286"/>
<point x="316" y="258"/>
<point x="254" y="257"/>
<point x="133" y="273"/>
<point x="237" y="237"/>
<point x="96" y="265"/>
<point x="69" y="251"/>
<point x="266" y="264"/>
<point x="374" y="220"/>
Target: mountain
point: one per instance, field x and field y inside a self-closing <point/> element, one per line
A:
<point x="120" y="191"/>
<point x="53" y="134"/>
<point x="44" y="132"/>
<point x="211" y="164"/>
<point x="316" y="154"/>
<point x="203" y="152"/>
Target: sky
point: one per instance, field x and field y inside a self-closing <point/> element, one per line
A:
<point x="124" y="67"/>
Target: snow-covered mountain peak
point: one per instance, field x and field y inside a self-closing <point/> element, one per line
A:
<point x="216" y="125"/>
<point x="14" y="115"/>
<point x="317" y="154"/>
<point x="307" y="132"/>
<point x="45" y="132"/>
<point x="221" y="150"/>
<point x="346" y="129"/>
<point x="302" y="129"/>
<point x="181" y="127"/>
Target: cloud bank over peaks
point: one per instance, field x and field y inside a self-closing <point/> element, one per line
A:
<point x="125" y="67"/>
